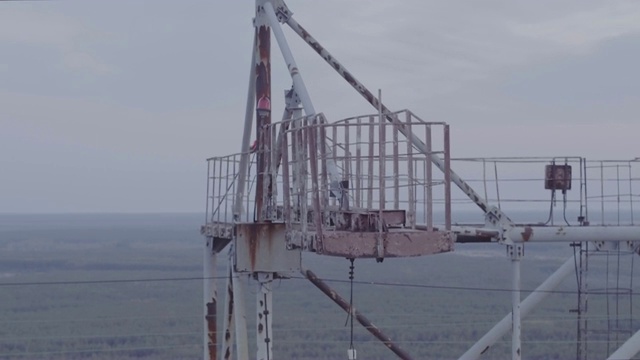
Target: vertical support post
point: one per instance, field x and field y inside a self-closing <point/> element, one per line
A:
<point x="515" y="253"/>
<point x="263" y="106"/>
<point x="347" y="171"/>
<point x="312" y="136"/>
<point x="630" y="192"/>
<point x="210" y="301"/>
<point x="370" y="164"/>
<point x="411" y="179"/>
<point x="303" y="174"/>
<point x="602" y="193"/>
<point x="495" y="176"/>
<point x="447" y="177"/>
<point x="381" y="155"/>
<point x="484" y="178"/>
<point x="323" y="165"/>
<point x="429" y="183"/>
<point x="242" y="340"/>
<point x="220" y="193"/>
<point x="334" y="156"/>
<point x="382" y="173"/>
<point x="272" y="205"/>
<point x="209" y="186"/>
<point x="358" y="179"/>
<point x="583" y="301"/>
<point x="396" y="170"/>
<point x="265" y="317"/>
<point x="286" y="185"/>
<point x="586" y="192"/>
<point x="229" y="180"/>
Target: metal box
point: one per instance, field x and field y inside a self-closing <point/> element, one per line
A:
<point x="557" y="177"/>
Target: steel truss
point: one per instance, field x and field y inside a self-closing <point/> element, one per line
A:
<point x="335" y="188"/>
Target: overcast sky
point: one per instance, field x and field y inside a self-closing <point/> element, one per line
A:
<point x="114" y="105"/>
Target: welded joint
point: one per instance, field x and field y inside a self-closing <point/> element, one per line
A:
<point x="282" y="11"/>
<point x="634" y="246"/>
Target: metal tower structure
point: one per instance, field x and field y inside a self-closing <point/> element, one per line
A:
<point x="363" y="187"/>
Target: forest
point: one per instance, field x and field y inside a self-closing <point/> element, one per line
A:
<point x="108" y="286"/>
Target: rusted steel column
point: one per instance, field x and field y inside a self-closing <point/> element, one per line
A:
<point x="228" y="330"/>
<point x="210" y="301"/>
<point x="212" y="332"/>
<point x="411" y="180"/>
<point x="327" y="290"/>
<point x="263" y="107"/>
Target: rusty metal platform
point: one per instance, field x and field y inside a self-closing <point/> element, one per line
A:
<point x="394" y="243"/>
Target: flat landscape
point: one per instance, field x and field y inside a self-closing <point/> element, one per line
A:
<point x="110" y="286"/>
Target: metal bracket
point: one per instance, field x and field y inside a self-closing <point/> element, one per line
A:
<point x="634" y="246"/>
<point x="282" y="11"/>
<point x="515" y="251"/>
<point x="292" y="100"/>
<point x="495" y="218"/>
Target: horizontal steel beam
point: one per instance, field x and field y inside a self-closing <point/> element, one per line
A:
<point x="573" y="233"/>
<point x="531" y="234"/>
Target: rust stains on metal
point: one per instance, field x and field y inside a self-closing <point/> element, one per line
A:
<point x="253" y="244"/>
<point x="527" y="233"/>
<point x="401" y="243"/>
<point x="212" y="331"/>
<point x="363" y="320"/>
<point x="261" y="247"/>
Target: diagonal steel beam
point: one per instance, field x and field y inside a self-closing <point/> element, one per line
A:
<point x="374" y="330"/>
<point x="503" y="327"/>
<point x="374" y="101"/>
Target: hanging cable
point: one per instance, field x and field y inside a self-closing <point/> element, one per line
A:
<point x="352" y="351"/>
<point x="553" y="199"/>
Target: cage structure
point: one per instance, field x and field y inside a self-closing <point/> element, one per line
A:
<point x="380" y="205"/>
<point x="365" y="187"/>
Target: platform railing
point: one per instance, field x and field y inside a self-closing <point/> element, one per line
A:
<point x="384" y="178"/>
<point x="599" y="192"/>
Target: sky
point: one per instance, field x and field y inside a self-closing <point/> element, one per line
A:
<point x="114" y="105"/>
